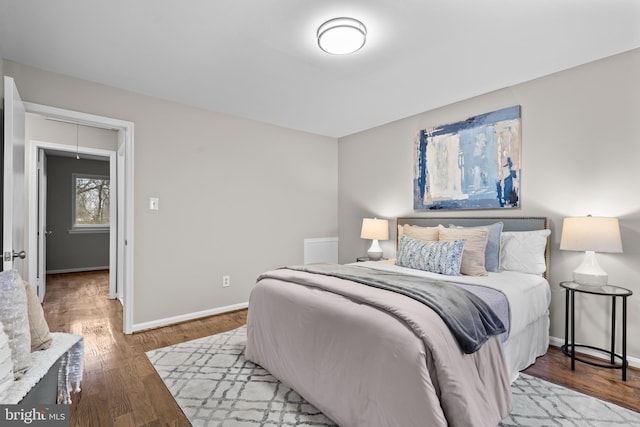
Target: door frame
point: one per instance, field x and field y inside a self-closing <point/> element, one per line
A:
<point x="126" y="245"/>
<point x="41" y="235"/>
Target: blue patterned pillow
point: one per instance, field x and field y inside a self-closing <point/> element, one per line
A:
<point x="436" y="257"/>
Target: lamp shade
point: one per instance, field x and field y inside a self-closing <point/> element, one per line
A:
<point x="375" y="229"/>
<point x="591" y="233"/>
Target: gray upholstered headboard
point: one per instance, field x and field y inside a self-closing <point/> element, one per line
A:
<point x="510" y="224"/>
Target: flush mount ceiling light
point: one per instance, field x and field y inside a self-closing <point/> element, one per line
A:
<point x="341" y="36"/>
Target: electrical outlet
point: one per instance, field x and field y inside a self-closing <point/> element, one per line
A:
<point x="226" y="281"/>
<point x="154" y="203"/>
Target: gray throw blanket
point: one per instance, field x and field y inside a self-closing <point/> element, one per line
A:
<point x="469" y="318"/>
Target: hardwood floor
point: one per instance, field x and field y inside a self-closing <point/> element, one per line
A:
<point x="121" y="388"/>
<point x="605" y="384"/>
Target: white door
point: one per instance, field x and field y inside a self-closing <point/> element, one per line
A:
<point x="13" y="218"/>
<point x="43" y="233"/>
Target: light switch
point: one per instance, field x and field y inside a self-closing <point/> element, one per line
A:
<point x="154" y="203"/>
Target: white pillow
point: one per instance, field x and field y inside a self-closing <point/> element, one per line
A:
<point x="523" y="251"/>
<point x="13" y="315"/>
<point x="6" y="365"/>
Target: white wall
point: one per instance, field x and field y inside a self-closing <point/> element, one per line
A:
<point x="581" y="155"/>
<point x="237" y="197"/>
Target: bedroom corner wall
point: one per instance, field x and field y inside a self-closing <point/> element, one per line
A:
<point x="236" y="197"/>
<point x="580" y="151"/>
<point x="1" y="81"/>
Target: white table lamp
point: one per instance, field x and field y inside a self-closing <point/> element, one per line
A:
<point x="591" y="234"/>
<point x="375" y="229"/>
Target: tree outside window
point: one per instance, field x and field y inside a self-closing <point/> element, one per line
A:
<point x="91" y="196"/>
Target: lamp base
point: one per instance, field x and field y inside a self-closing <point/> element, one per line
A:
<point x="590" y="280"/>
<point x="375" y="251"/>
<point x="589" y="273"/>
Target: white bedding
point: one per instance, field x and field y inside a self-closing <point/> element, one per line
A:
<point x="529" y="296"/>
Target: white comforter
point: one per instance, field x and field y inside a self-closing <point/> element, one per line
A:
<point x="529" y="295"/>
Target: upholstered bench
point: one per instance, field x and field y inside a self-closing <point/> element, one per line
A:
<point x="36" y="366"/>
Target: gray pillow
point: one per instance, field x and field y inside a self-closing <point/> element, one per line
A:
<point x="492" y="250"/>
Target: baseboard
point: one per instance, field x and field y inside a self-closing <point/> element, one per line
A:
<point x="77" y="270"/>
<point x="137" y="327"/>
<point x="558" y="342"/>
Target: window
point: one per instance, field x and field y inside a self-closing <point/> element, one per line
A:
<point x="90" y="202"/>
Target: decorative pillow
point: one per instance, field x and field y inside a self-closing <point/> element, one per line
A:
<point x="40" y="337"/>
<point x="523" y="251"/>
<point x="6" y="365"/>
<point x="436" y="257"/>
<point x="492" y="251"/>
<point x="473" y="255"/>
<point x="418" y="232"/>
<point x="13" y="315"/>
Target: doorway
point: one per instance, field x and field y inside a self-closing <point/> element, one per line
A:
<point x="121" y="174"/>
<point x="74" y="214"/>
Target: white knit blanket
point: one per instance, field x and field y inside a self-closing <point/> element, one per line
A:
<point x="71" y="348"/>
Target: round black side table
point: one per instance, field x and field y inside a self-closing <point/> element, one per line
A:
<point x="569" y="348"/>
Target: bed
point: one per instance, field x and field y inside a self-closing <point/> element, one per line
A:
<point x="366" y="356"/>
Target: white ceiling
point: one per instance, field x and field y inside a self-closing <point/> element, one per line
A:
<point x="259" y="58"/>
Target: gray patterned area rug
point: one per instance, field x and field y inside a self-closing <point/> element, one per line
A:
<point x="216" y="386"/>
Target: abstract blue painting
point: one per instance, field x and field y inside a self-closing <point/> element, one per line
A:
<point x="472" y="164"/>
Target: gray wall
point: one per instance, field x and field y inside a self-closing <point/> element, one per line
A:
<point x="580" y="150"/>
<point x="237" y="197"/>
<point x="1" y="81"/>
<point x="71" y="251"/>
